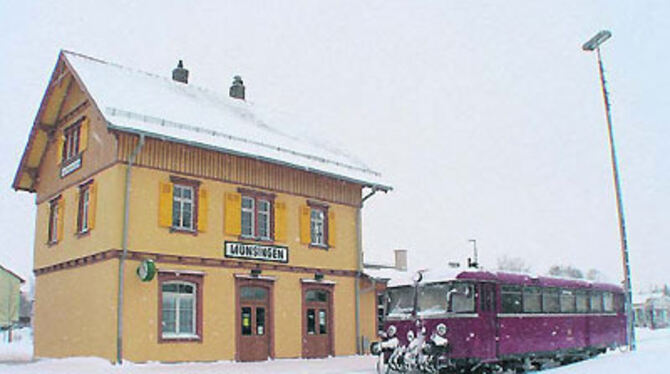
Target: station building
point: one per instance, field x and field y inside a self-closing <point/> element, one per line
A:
<point x="176" y="223"/>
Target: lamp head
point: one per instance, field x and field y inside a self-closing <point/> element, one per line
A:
<point x="597" y="40"/>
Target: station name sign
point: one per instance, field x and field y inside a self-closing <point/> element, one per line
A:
<point x="259" y="252"/>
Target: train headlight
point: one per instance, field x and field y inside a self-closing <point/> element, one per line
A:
<point x="441" y="329"/>
<point x="410" y="335"/>
<point x="390" y="331"/>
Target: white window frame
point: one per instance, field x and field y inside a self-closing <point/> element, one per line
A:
<point x="267" y="214"/>
<point x="182" y="201"/>
<point x="53" y="221"/>
<point x="251" y="211"/>
<point x="71" y="142"/>
<point x="86" y="198"/>
<point x="178" y="296"/>
<point x="314" y="224"/>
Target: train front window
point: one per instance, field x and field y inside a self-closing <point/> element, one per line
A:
<point x="400" y="301"/>
<point x="440" y="298"/>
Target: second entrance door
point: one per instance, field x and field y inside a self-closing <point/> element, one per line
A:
<point x="317" y="323"/>
<point x="253" y="327"/>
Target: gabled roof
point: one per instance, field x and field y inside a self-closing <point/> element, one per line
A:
<point x="143" y="103"/>
<point x="12" y="274"/>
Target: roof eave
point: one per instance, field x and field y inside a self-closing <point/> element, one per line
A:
<point x="375" y="186"/>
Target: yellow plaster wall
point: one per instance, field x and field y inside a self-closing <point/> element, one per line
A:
<point x="219" y="324"/>
<point x="368" y="312"/>
<point x="147" y="236"/>
<point x="109" y="222"/>
<point x="74" y="312"/>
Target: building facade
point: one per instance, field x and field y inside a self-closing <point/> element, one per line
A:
<point x="176" y="224"/>
<point x="10" y="298"/>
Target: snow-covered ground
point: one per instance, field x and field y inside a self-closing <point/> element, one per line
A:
<point x="652" y="357"/>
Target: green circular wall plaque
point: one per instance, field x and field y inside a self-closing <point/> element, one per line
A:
<point x="147" y="270"/>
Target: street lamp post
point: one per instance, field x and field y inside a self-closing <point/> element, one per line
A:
<point x="591" y="45"/>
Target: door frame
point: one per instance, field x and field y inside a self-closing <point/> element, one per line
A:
<point x="245" y="280"/>
<point x="323" y="286"/>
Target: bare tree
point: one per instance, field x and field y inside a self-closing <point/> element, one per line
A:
<point x="568" y="271"/>
<point x="595" y="275"/>
<point x="516" y="264"/>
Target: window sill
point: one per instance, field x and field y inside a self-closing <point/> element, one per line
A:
<point x="319" y="246"/>
<point x="52" y="243"/>
<point x="183" y="231"/>
<point x="82" y="234"/>
<point x="180" y="339"/>
<point x="258" y="240"/>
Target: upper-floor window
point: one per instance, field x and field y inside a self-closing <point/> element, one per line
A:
<point x="256" y="216"/>
<point x="55" y="218"/>
<point x="183" y="204"/>
<point x="318" y="226"/>
<point x="71" y="137"/>
<point x="84" y="213"/>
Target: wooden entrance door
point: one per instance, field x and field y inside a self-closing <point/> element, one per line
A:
<point x="254" y="335"/>
<point x="317" y="329"/>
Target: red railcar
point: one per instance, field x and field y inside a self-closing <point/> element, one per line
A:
<point x="485" y="321"/>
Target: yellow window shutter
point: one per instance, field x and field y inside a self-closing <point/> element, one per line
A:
<point x="165" y="205"/>
<point x="61" y="218"/>
<point x="305" y="229"/>
<point x="280" y="221"/>
<point x="331" y="228"/>
<point x="92" y="204"/>
<point x="203" y="204"/>
<point x="83" y="135"/>
<point x="59" y="146"/>
<point x="232" y="216"/>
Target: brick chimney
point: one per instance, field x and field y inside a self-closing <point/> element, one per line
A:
<point x="237" y="89"/>
<point x="180" y="74"/>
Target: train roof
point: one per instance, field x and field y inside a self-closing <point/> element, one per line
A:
<point x="522" y="279"/>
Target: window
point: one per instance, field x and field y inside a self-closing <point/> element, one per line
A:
<point x="256" y="216"/>
<point x="86" y="207"/>
<point x="178" y="309"/>
<point x="608" y="302"/>
<point x="318" y="226"/>
<point x="511" y="299"/>
<point x="596" y="302"/>
<point x="532" y="300"/>
<point x="183" y="207"/>
<point x="582" y="301"/>
<point x="568" y="301"/>
<point x="551" y="300"/>
<point x="439" y="298"/>
<point x="55" y="212"/>
<point x="180" y="306"/>
<point x="316" y="295"/>
<point x="71" y="142"/>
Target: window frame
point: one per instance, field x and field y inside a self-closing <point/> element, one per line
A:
<point x="195" y="280"/>
<point x="323" y="209"/>
<point x="52" y="228"/>
<point x="194" y="186"/>
<point x="71" y="140"/>
<point x="257" y="198"/>
<point x="84" y="208"/>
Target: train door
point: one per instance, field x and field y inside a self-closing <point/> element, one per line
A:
<point x="489" y="322"/>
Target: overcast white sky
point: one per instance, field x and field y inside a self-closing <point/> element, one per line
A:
<point x="486" y="116"/>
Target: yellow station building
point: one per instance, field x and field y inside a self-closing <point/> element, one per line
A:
<point x="176" y="223"/>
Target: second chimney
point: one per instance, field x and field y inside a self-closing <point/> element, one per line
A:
<point x="180" y="74"/>
<point x="237" y="89"/>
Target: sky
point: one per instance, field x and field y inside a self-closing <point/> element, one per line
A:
<point x="485" y="116"/>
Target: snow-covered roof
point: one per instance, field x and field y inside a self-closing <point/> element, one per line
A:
<point x="140" y="102"/>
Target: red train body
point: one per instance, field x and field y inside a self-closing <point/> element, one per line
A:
<point x="477" y="320"/>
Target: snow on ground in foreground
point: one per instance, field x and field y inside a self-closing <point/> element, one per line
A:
<point x="651" y="358"/>
<point x="21" y="347"/>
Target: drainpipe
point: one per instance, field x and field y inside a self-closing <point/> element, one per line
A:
<point x="359" y="270"/>
<point x="124" y="253"/>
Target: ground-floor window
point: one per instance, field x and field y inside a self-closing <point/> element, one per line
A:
<point x="180" y="306"/>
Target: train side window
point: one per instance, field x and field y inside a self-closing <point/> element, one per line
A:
<point x="532" y="299"/>
<point x="550" y="300"/>
<point x="608" y="302"/>
<point x="511" y="299"/>
<point x="596" y="302"/>
<point x="620" y="303"/>
<point x="582" y="301"/>
<point x="568" y="301"/>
